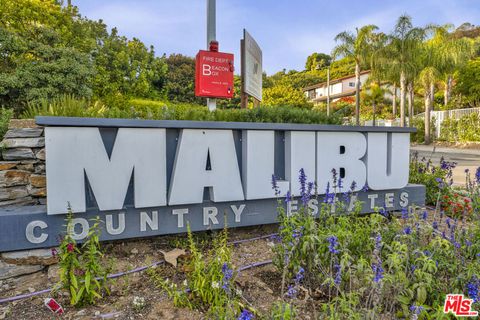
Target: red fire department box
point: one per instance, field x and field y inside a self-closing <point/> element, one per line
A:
<point x="214" y="74"/>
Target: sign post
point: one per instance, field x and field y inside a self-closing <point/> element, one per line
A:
<point x="251" y="56"/>
<point x="211" y="36"/>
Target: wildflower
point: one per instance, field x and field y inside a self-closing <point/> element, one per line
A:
<point x="427" y="253"/>
<point x="468" y="243"/>
<point x="477" y="175"/>
<point x="378" y="242"/>
<point x="338" y="275"/>
<point x="404" y="213"/>
<point x="227" y="275"/>
<point x="302" y="178"/>
<point x="138" y="302"/>
<point x="416" y="309"/>
<point x="296" y="234"/>
<point x="245" y="315"/>
<point x="54" y="252"/>
<point x="413" y="268"/>
<point x="334" y="176"/>
<point x="472" y="289"/>
<point x="300" y="275"/>
<point x="447" y="221"/>
<point x="353" y="186"/>
<point x="407" y="230"/>
<point x="333" y="240"/>
<point x="435" y="225"/>
<point x="70" y="247"/>
<point x="377" y="272"/>
<point x="275" y="185"/>
<point x="425" y="215"/>
<point x="365" y="188"/>
<point x="288" y="197"/>
<point x="215" y="285"/>
<point x="291" y="291"/>
<point x="307" y="194"/>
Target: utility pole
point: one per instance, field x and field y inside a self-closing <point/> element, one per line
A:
<point x="328" y="91"/>
<point x="211" y="36"/>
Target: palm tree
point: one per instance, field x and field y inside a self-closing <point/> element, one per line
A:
<point x="404" y="43"/>
<point x="357" y="46"/>
<point x="427" y="78"/>
<point x="452" y="53"/>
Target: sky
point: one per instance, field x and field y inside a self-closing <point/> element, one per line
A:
<point x="287" y="31"/>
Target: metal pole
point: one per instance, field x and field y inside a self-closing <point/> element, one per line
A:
<point x="211" y="35"/>
<point x="328" y="91"/>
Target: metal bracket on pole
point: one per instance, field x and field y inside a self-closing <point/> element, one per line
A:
<point x="211" y="36"/>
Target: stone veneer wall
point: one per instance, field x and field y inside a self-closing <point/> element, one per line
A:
<point x="22" y="165"/>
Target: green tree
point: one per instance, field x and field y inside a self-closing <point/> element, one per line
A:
<point x="40" y="69"/>
<point x="468" y="84"/>
<point x="428" y="76"/>
<point x="180" y="79"/>
<point x="317" y="61"/>
<point x="284" y="95"/>
<point x="403" y="52"/>
<point x="358" y="47"/>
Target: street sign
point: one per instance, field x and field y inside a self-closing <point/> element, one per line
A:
<point x="251" y="66"/>
<point x="214" y="74"/>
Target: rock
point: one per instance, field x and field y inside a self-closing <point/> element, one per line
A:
<point x="97" y="313"/>
<point x="40" y="154"/>
<point x="38" y="180"/>
<point x="31" y="290"/>
<point x="30" y="257"/>
<point x="24" y="133"/>
<point x="19" y="202"/>
<point x="134" y="251"/>
<point x="6" y="165"/>
<point x="18" y="154"/>
<point x="40" y="169"/>
<point x="81" y="313"/>
<point x="13" y="193"/>
<point x="28" y="165"/>
<point x="22" y="123"/>
<point x="11" y="178"/>
<point x="24" y="143"/>
<point x="12" y="270"/>
<point x="37" y="192"/>
<point x="53" y="272"/>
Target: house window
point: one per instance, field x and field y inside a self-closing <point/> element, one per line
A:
<point x="351" y="84"/>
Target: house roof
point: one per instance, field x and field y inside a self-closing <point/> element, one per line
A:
<point x="336" y="96"/>
<point x="322" y="84"/>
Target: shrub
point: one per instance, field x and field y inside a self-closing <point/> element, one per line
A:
<point x="419" y="136"/>
<point x="464" y="129"/>
<point x="5" y="116"/>
<point x="378" y="265"/>
<point x="209" y="283"/>
<point x="82" y="273"/>
<point x="147" y="109"/>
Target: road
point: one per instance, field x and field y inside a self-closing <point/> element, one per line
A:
<point x="465" y="158"/>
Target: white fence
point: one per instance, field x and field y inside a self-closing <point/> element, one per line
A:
<point x="440" y="116"/>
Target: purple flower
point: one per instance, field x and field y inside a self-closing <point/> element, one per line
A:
<point x="353" y="186"/>
<point x="338" y="274"/>
<point x="416" y="309"/>
<point x="477" y="175"/>
<point x="435" y="225"/>
<point x="245" y="315"/>
<point x="425" y="215"/>
<point x="365" y="188"/>
<point x="332" y="247"/>
<point x="291" y="291"/>
<point x="288" y="197"/>
<point x="299" y="276"/>
<point x="302" y="178"/>
<point x="472" y="289"/>
<point x="407" y="230"/>
<point x="275" y="185"/>
<point x="378" y="242"/>
<point x="377" y="272"/>
<point x="404" y="213"/>
<point x="334" y="175"/>
<point x="227" y="275"/>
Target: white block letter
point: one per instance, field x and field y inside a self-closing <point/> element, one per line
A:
<point x="341" y="151"/>
<point x="299" y="153"/>
<point x="258" y="156"/>
<point x="190" y="175"/>
<point x="388" y="160"/>
<point x="74" y="152"/>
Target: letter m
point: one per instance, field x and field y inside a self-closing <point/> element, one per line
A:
<point x="73" y="153"/>
<point x="451" y="304"/>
